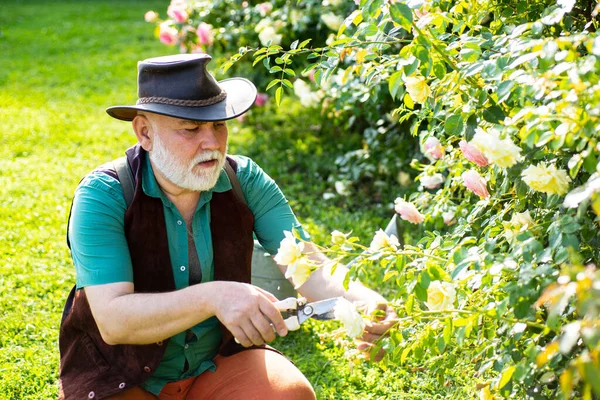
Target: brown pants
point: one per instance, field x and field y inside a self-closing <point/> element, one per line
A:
<point x="251" y="374"/>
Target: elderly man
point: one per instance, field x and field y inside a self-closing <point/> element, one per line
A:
<point x="163" y="279"/>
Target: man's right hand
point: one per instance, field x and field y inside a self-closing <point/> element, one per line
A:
<point x="249" y="313"/>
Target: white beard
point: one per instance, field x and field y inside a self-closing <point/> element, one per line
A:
<point x="189" y="176"/>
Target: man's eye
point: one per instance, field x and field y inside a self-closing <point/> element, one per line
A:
<point x="191" y="130"/>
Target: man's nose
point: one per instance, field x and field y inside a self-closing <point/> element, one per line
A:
<point x="209" y="139"/>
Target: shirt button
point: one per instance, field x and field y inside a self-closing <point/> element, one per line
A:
<point x="179" y="222"/>
<point x="121" y="385"/>
<point x="159" y="343"/>
<point x="147" y="368"/>
<point x="182" y="268"/>
<point x="186" y="346"/>
<point x="91" y="395"/>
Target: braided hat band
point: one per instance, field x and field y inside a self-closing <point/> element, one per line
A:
<point x="183" y="103"/>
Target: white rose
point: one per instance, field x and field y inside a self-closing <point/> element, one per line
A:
<point x="343" y="188"/>
<point x="308" y="98"/>
<point x="432" y="181"/>
<point x="440" y="296"/>
<point x="502" y="152"/>
<point x="289" y="250"/>
<point x="268" y="34"/>
<point x="381" y="240"/>
<point x="346" y="312"/>
<point x="332" y="21"/>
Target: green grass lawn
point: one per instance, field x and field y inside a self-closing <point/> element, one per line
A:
<point x="63" y="63"/>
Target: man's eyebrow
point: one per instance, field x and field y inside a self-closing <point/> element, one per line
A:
<point x="189" y="121"/>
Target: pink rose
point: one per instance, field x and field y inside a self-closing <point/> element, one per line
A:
<point x="408" y="211"/>
<point x="177" y="13"/>
<point x="433" y="147"/>
<point x="168" y="35"/>
<point x="473" y="154"/>
<point x="448" y="218"/>
<point x="205" y="34"/>
<point x="261" y="99"/>
<point x="265" y="8"/>
<point x="475" y="183"/>
<point x="151" y="16"/>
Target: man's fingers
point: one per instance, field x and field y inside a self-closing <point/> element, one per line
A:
<point x="274" y="315"/>
<point x="253" y="334"/>
<point x="369" y="337"/>
<point x="241" y="337"/>
<point x="367" y="348"/>
<point x="263" y="327"/>
<point x="268" y="295"/>
<point x="379" y="328"/>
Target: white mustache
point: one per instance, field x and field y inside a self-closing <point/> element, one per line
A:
<point x="208" y="156"/>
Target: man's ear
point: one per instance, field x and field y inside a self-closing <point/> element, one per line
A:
<point x="142" y="126"/>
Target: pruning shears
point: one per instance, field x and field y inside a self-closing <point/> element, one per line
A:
<point x="296" y="311"/>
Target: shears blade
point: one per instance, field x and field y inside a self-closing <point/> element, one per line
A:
<point x="321" y="310"/>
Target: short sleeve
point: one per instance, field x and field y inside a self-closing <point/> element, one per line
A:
<point x="272" y="212"/>
<point x="96" y="232"/>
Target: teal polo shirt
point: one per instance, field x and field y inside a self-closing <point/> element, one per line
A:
<point x="101" y="255"/>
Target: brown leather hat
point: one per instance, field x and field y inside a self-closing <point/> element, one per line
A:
<point x="180" y="86"/>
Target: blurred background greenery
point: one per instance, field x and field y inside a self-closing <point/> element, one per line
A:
<point x="63" y="63"/>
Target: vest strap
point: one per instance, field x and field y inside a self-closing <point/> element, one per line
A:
<point x="126" y="178"/>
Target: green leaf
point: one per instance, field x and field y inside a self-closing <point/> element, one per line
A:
<point x="439" y="70"/>
<point x="294" y="44"/>
<point x="493" y="114"/>
<point x="410" y="302"/>
<point x="278" y="93"/>
<point x="257" y="60"/>
<point x="448" y="330"/>
<point x="401" y="14"/>
<point x="303" y="44"/>
<point x="454" y="125"/>
<point x="287" y="83"/>
<point x="470" y="52"/>
<point x="276" y="68"/>
<point x="441" y="344"/>
<point x="504" y="90"/>
<point x="421" y="292"/>
<point x="395" y="83"/>
<point x="506" y="375"/>
<point x="289" y="72"/>
<point x="273" y="83"/>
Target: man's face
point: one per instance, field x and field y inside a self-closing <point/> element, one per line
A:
<point x="189" y="154"/>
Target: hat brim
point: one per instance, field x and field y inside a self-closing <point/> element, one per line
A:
<point x="241" y="94"/>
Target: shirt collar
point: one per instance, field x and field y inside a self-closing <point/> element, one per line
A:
<point x="152" y="188"/>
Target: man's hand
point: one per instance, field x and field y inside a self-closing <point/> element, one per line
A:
<point x="383" y="318"/>
<point x="249" y="314"/>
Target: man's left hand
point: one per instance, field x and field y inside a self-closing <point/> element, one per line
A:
<point x="383" y="317"/>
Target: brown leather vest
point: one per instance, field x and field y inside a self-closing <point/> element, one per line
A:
<point x="90" y="368"/>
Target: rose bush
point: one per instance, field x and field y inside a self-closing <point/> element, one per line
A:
<point x="502" y="99"/>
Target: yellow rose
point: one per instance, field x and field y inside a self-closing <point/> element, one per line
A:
<point x="546" y="179"/>
<point x="502" y="152"/>
<point x="299" y="271"/>
<point x="440" y="296"/>
<point x="417" y="88"/>
<point x="518" y="223"/>
<point x="338" y="238"/>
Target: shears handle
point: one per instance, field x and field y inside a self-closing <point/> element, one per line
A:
<point x="289" y="304"/>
